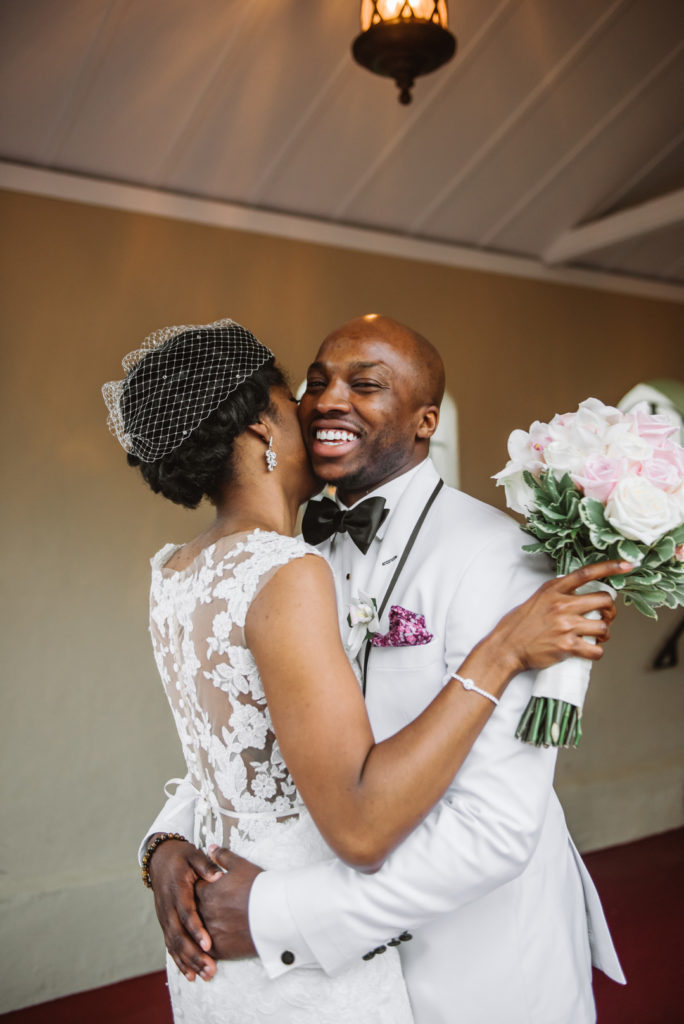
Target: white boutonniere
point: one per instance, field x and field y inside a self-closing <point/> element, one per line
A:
<point x="363" y="619"/>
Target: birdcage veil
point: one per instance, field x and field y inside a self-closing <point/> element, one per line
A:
<point x="175" y="380"/>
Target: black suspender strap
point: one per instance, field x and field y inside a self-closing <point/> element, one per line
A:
<point x="400" y="565"/>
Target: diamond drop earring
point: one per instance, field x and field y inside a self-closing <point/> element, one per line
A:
<point x="271" y="459"/>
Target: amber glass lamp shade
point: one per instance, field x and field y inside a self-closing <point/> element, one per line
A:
<point x="403" y="39"/>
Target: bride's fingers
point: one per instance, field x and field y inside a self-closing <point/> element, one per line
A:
<point x="589" y="573"/>
<point x="609" y="612"/>
<point x="592" y="652"/>
<point x="582" y="603"/>
<point x="599" y="602"/>
<point x="591" y="627"/>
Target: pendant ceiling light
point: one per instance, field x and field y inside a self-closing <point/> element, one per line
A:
<point x="403" y="39"/>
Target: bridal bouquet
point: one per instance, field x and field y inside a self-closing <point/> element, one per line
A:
<point x="593" y="485"/>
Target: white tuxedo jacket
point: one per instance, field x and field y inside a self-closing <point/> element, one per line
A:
<point x="504" y="916"/>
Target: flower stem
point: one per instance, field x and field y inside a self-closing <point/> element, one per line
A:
<point x="546" y="722"/>
<point x="536" y="723"/>
<point x="523" y="724"/>
<point x="549" y="712"/>
<point x="567" y="708"/>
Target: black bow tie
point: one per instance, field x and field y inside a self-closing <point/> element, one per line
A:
<point x="323" y="518"/>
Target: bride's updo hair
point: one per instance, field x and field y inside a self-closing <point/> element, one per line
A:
<point x="189" y="392"/>
<point x="203" y="463"/>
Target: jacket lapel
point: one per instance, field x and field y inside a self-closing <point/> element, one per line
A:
<point x="400" y="524"/>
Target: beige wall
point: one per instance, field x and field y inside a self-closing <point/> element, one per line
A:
<point x="87" y="739"/>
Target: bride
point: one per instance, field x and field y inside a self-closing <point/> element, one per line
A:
<point x="268" y="709"/>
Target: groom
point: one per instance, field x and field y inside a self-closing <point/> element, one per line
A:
<point x="493" y="911"/>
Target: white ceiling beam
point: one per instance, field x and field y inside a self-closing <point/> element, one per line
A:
<point x="597" y="129"/>
<point x="135" y="199"/>
<point x="664" y="212"/>
<point x="652" y="163"/>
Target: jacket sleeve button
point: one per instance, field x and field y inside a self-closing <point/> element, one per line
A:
<point x="287" y="957"/>
<point x="380" y="949"/>
<point x="369" y="956"/>
<point x="405" y="937"/>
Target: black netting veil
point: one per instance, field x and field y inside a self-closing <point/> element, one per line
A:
<point x="175" y="380"/>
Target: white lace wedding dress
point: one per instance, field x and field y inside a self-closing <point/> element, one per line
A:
<point x="247" y="799"/>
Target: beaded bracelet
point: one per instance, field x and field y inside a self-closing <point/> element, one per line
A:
<point x="468" y="684"/>
<point x="147" y="856"/>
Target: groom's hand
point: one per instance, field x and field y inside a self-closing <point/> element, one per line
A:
<point x="223" y="906"/>
<point x="174" y="869"/>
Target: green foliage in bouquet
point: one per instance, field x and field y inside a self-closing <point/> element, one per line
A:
<point x="573" y="531"/>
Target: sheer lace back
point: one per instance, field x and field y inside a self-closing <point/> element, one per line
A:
<point x="197" y="619"/>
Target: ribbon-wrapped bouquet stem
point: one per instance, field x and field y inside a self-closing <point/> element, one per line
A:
<point x="593" y="485"/>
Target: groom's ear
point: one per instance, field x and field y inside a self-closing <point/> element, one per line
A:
<point x="427" y="424"/>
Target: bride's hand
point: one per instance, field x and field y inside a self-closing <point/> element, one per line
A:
<point x="551" y="624"/>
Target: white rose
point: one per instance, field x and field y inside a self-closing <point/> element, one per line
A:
<point x="589" y="426"/>
<point x="678" y="499"/>
<point x="640" y="511"/>
<point x="567" y="457"/>
<point x="519" y="496"/>
<point x="586" y="429"/>
<point x="578" y="436"/>
<point x="595" y="408"/>
<point x="623" y="442"/>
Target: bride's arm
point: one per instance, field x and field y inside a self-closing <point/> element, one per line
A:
<point x="364" y="796"/>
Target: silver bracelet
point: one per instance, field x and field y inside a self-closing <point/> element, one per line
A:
<point x="468" y="684"/>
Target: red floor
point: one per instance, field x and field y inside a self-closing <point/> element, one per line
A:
<point x="642" y="892"/>
<point x="641" y="888"/>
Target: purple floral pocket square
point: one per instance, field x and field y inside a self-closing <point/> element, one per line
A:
<point x="406" y="630"/>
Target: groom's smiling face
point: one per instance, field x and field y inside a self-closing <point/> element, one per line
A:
<point x="368" y="410"/>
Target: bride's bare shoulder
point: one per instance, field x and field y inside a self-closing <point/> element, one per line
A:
<point x="306" y="569"/>
<point x="301" y="585"/>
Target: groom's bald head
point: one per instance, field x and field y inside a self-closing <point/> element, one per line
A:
<point x="371" y="404"/>
<point x="421" y="360"/>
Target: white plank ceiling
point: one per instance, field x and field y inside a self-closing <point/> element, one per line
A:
<point x="554" y="114"/>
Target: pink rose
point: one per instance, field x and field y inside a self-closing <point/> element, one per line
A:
<point x="661" y="471"/>
<point x="652" y="428"/>
<point x="672" y="452"/>
<point x="599" y="476"/>
<point x="679" y="553"/>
